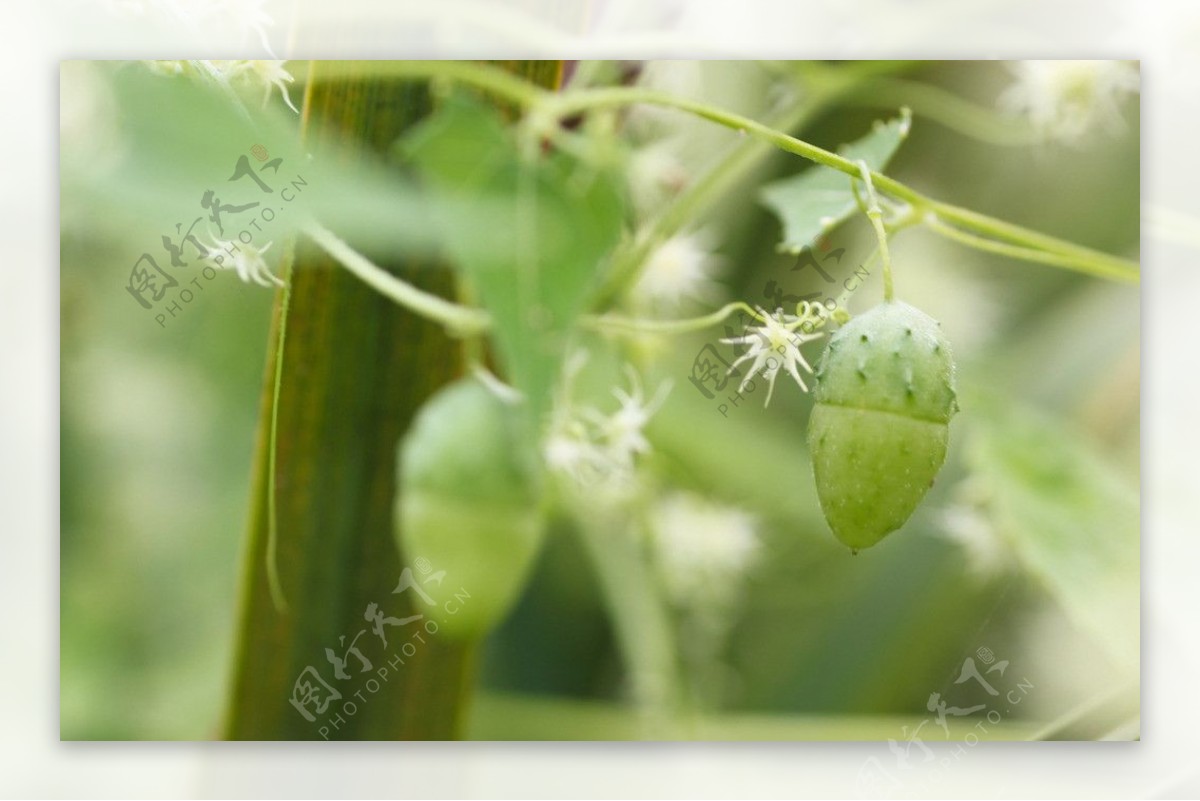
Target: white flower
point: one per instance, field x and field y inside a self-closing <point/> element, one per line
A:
<point x="267" y="75"/>
<point x="245" y="259"/>
<point x="778" y="340"/>
<point x="702" y="549"/>
<point x="167" y="67"/>
<point x="568" y="448"/>
<point x="570" y="451"/>
<point x="681" y="271"/>
<point x="621" y="432"/>
<point x="594" y="449"/>
<point x="260" y="74"/>
<point x="1065" y="99"/>
<point x="655" y="176"/>
<point x="271" y="75"/>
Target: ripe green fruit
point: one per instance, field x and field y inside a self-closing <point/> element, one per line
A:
<point x="878" y="431"/>
<point x="469" y="502"/>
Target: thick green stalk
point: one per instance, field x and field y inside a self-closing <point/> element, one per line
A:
<point x="355" y="370"/>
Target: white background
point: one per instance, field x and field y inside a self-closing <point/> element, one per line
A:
<point x="33" y="763"/>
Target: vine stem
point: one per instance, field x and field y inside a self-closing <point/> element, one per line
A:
<point x="548" y="107"/>
<point x="934" y="224"/>
<point x="612" y="323"/>
<point x="982" y="232"/>
<point x="469" y="322"/>
<point x="628" y="263"/>
<point x="458" y="320"/>
<point x="1082" y="258"/>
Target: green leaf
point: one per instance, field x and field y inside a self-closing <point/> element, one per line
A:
<point x="183" y="137"/>
<point x="554" y="221"/>
<point x="1070" y="517"/>
<point x="819" y="198"/>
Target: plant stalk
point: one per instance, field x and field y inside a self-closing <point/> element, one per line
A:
<point x="355" y="370"/>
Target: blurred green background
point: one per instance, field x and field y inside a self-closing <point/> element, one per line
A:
<point x="157" y="430"/>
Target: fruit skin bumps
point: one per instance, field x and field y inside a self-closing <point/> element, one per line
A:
<point x="880" y="424"/>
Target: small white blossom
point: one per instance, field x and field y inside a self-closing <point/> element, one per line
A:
<point x="655" y="176"/>
<point x="702" y="549"/>
<point x="245" y="259"/>
<point x="621" y="432"/>
<point x="167" y="67"/>
<point x="681" y="271"/>
<point x="571" y="451"/>
<point x="568" y="448"/>
<point x="265" y="74"/>
<point x="252" y="74"/>
<point x="776" y="343"/>
<point x="592" y="448"/>
<point x="1065" y="99"/>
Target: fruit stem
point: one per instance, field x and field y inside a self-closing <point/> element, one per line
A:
<point x="875" y="215"/>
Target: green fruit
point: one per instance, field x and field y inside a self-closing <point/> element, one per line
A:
<point x="469" y="503"/>
<point x="878" y="431"/>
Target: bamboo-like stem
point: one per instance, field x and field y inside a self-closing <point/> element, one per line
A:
<point x="355" y="370"/>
